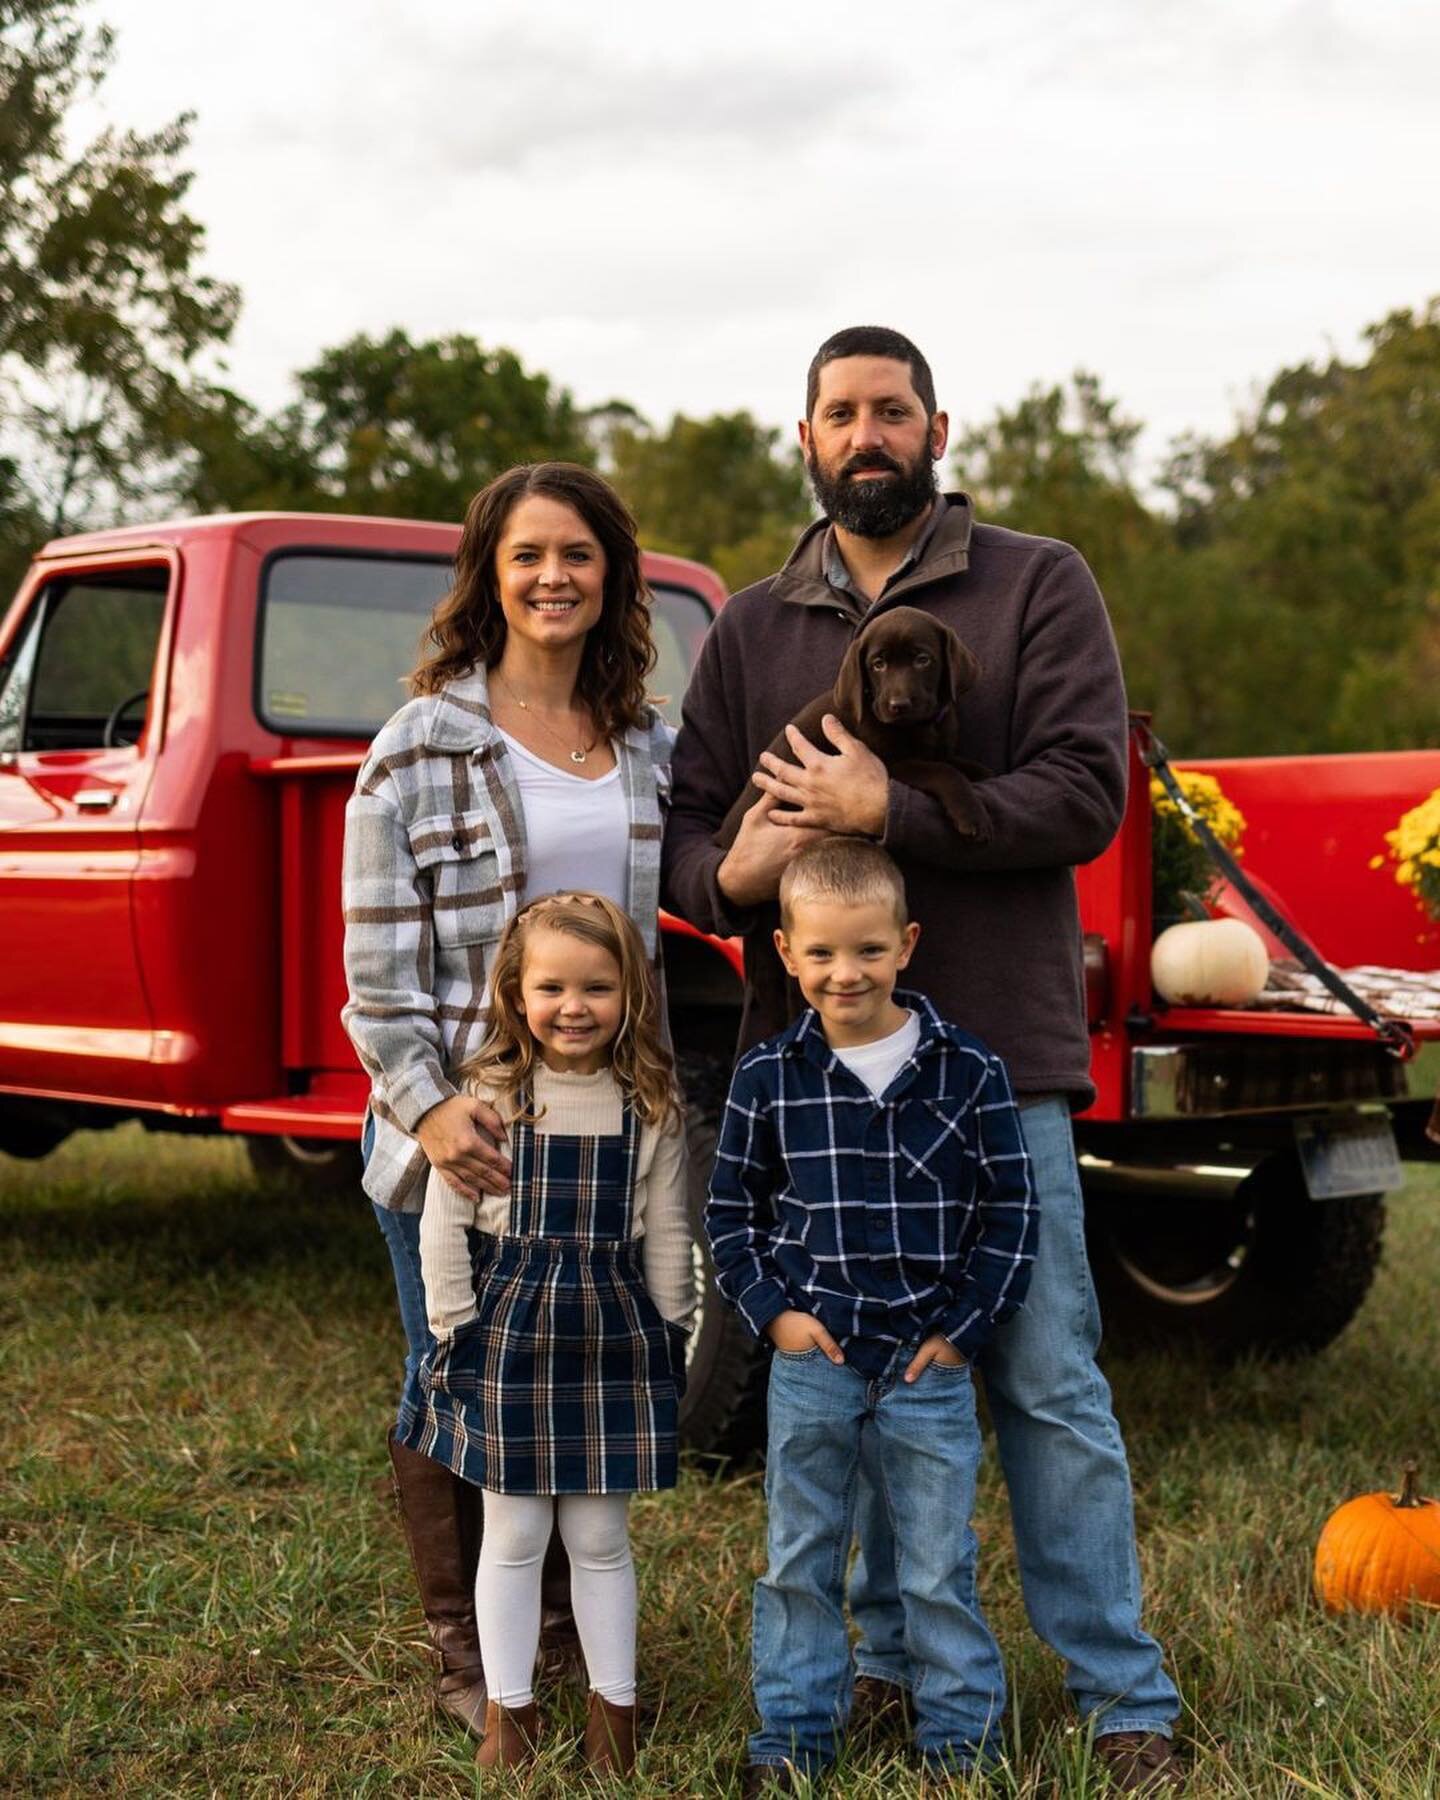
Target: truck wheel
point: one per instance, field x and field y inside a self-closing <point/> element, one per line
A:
<point x="1268" y="1272"/>
<point x="723" y="1412"/>
<point x="323" y="1165"/>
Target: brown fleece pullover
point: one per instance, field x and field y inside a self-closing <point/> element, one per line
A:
<point x="1000" y="950"/>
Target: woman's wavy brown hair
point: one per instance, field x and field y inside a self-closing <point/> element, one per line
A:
<point x="468" y="626"/>
<point x="504" y="1064"/>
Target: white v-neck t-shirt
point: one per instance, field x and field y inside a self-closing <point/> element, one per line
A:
<point x="879" y="1063"/>
<point x="577" y="832"/>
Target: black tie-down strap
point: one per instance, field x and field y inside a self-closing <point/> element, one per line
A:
<point x="1397" y="1035"/>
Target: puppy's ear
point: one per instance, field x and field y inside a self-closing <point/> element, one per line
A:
<point x="962" y="667"/>
<point x="849" y="693"/>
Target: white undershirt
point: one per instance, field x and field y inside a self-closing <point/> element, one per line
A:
<point x="577" y="832"/>
<point x="879" y="1063"/>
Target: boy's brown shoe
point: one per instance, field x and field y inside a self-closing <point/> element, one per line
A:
<point x="512" y="1735"/>
<point x="881" y="1711"/>
<point x="762" y="1781"/>
<point x="1140" y="1762"/>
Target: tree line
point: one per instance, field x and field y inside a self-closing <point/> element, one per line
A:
<point x="1276" y="589"/>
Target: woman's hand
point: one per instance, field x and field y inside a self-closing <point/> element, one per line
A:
<point x="464" y="1139"/>
<point x="795" y="1332"/>
<point x="934" y="1349"/>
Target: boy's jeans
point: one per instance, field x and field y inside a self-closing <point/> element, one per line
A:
<point x="1065" y="1467"/>
<point x="924" y="1448"/>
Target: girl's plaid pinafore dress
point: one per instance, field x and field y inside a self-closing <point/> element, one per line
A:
<point x="562" y="1382"/>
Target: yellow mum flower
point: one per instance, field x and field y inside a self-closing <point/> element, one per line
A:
<point x="1414" y="848"/>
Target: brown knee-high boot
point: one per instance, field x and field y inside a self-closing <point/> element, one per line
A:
<point x="441" y="1516"/>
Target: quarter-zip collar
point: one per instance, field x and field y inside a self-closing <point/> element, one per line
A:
<point x="802" y="580"/>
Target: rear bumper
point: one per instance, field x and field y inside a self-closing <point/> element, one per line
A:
<point x="1234" y="1076"/>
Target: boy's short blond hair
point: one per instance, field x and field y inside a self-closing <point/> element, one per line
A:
<point x="851" y="870"/>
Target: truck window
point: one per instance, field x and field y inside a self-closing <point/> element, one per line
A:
<point x="679" y="619"/>
<point x="15" y="672"/>
<point x="338" y="635"/>
<point x="92" y="663"/>
<point x="340" y="632"/>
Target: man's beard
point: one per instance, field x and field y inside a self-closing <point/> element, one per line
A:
<point x="874" y="509"/>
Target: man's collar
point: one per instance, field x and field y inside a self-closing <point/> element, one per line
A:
<point x="837" y="573"/>
<point x="944" y="551"/>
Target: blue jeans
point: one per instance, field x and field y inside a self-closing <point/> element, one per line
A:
<point x="1065" y="1468"/>
<point x="402" y="1239"/>
<point x="924" y="1446"/>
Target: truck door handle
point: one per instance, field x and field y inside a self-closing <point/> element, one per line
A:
<point x="96" y="799"/>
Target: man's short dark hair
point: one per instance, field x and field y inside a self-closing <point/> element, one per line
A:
<point x="871" y="340"/>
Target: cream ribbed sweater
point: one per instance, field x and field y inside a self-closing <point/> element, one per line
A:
<point x="577" y="1105"/>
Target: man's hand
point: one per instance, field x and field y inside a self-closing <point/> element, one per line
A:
<point x="934" y="1349"/>
<point x="756" y="860"/>
<point x="794" y="1333"/>
<point x="848" y="792"/>
<point x="463" y="1138"/>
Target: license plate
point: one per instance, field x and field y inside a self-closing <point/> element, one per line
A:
<point x="1353" y="1154"/>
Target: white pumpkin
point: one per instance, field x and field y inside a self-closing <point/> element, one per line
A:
<point x="1210" y="962"/>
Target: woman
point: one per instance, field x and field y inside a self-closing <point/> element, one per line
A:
<point x="528" y="761"/>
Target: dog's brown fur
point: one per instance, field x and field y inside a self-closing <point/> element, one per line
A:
<point x="897" y="691"/>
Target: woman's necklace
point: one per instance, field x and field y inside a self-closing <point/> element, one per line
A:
<point x="576" y="756"/>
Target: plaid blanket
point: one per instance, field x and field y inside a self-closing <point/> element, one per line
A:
<point x="1404" y="993"/>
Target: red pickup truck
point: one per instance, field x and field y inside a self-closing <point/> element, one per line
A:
<point x="183" y="707"/>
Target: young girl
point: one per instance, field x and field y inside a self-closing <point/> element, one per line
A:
<point x="561" y="1345"/>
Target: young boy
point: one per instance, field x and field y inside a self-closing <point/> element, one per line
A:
<point x="871" y="1213"/>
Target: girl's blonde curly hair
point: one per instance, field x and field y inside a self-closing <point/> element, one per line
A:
<point x="504" y="1064"/>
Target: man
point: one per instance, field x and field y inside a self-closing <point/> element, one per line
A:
<point x="1000" y="948"/>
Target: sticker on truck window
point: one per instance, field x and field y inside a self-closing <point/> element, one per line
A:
<point x="1352" y="1154"/>
<point x="287" y="706"/>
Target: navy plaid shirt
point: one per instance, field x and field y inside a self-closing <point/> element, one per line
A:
<point x="888" y="1219"/>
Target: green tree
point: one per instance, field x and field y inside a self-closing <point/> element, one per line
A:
<point x="21" y="530"/>
<point x="1322" y="509"/>
<point x="1061" y="463"/>
<point x="102" y="306"/>
<point x="714" y="489"/>
<point x="384" y="425"/>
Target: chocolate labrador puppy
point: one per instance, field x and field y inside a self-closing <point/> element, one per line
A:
<point x="896" y="691"/>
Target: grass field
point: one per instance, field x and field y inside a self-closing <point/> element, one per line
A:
<point x="205" y="1590"/>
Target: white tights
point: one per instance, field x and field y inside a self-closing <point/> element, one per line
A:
<point x="602" y="1590"/>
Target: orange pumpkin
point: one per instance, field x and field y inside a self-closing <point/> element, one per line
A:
<point x="1381" y="1553"/>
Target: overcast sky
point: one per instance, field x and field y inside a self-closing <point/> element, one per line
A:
<point x="674" y="204"/>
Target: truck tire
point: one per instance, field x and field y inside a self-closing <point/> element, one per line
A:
<point x="323" y="1165"/>
<point x="723" y="1412"/>
<point x="1268" y="1272"/>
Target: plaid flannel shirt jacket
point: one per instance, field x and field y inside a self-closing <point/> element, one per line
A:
<point x="890" y="1219"/>
<point x="434" y="867"/>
